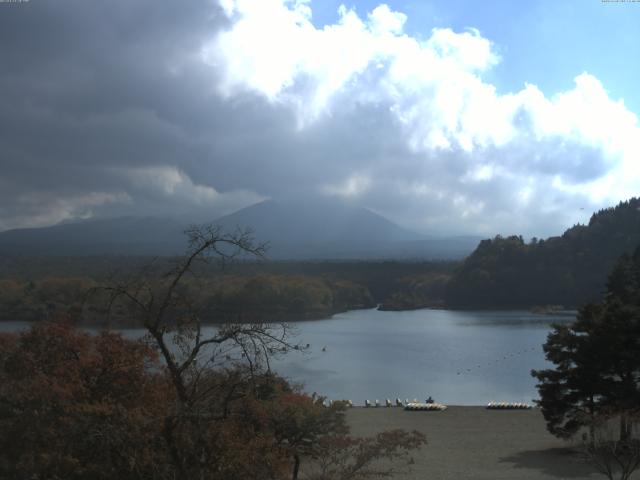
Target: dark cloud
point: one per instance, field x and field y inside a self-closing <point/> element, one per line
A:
<point x="90" y="90"/>
<point x="108" y="108"/>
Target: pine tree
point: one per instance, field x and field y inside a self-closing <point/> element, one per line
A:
<point x="596" y="358"/>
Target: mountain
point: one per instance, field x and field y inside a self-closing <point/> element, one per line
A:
<point x="335" y="230"/>
<point x="123" y="235"/>
<point x="568" y="270"/>
<point x="296" y="230"/>
<point x="316" y="222"/>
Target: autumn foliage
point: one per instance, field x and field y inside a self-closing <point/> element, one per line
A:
<point x="185" y="402"/>
<point x="80" y="406"/>
<point x="77" y="406"/>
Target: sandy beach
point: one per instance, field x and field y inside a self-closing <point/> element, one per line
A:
<point x="476" y="443"/>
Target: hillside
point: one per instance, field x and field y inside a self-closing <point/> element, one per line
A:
<point x="329" y="229"/>
<point x="316" y="222"/>
<point x="119" y="236"/>
<point x="294" y="230"/>
<point x="568" y="270"/>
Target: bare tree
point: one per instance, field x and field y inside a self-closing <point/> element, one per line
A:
<point x="385" y="455"/>
<point x="230" y="417"/>
<point x="611" y="451"/>
<point x="197" y="357"/>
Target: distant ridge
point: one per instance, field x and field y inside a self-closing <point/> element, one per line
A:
<point x="317" y="229"/>
<point x="568" y="270"/>
<point x="122" y="235"/>
<point x="294" y="230"/>
<point x="329" y="229"/>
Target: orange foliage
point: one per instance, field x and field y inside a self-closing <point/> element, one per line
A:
<point x="77" y="406"/>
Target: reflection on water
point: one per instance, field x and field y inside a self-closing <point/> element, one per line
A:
<point x="457" y="357"/>
<point x="460" y="358"/>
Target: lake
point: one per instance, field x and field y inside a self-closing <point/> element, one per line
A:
<point x="457" y="357"/>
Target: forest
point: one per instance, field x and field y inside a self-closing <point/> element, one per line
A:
<point x="37" y="288"/>
<point x="569" y="270"/>
<point x="503" y="272"/>
<point x="227" y="298"/>
<point x="181" y="403"/>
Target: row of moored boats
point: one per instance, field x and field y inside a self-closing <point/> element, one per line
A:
<point x="430" y="405"/>
<point x="508" y="406"/>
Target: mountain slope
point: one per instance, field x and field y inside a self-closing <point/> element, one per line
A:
<point x="334" y="230"/>
<point x="567" y="270"/>
<point x="316" y="226"/>
<point x="294" y="230"/>
<point x="123" y="235"/>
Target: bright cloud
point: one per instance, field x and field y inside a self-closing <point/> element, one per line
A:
<point x="354" y="185"/>
<point x="169" y="181"/>
<point x="207" y="107"/>
<point x="58" y="208"/>
<point x="580" y="142"/>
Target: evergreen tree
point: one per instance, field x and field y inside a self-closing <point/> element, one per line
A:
<point x="596" y="358"/>
<point x="568" y="270"/>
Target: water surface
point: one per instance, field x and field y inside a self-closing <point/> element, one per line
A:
<point x="457" y="357"/>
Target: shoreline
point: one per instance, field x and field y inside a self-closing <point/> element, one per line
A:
<point x="319" y="316"/>
<point x="473" y="442"/>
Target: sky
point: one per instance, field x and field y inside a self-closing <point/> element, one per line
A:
<point x="447" y="117"/>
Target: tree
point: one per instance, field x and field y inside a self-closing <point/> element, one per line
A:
<point x="209" y="369"/>
<point x="228" y="416"/>
<point x="608" y="453"/>
<point x="597" y="360"/>
<point x="341" y="457"/>
<point x="569" y="392"/>
<point x="187" y="402"/>
<point x="567" y="270"/>
<point x="78" y="406"/>
<point x="299" y="421"/>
